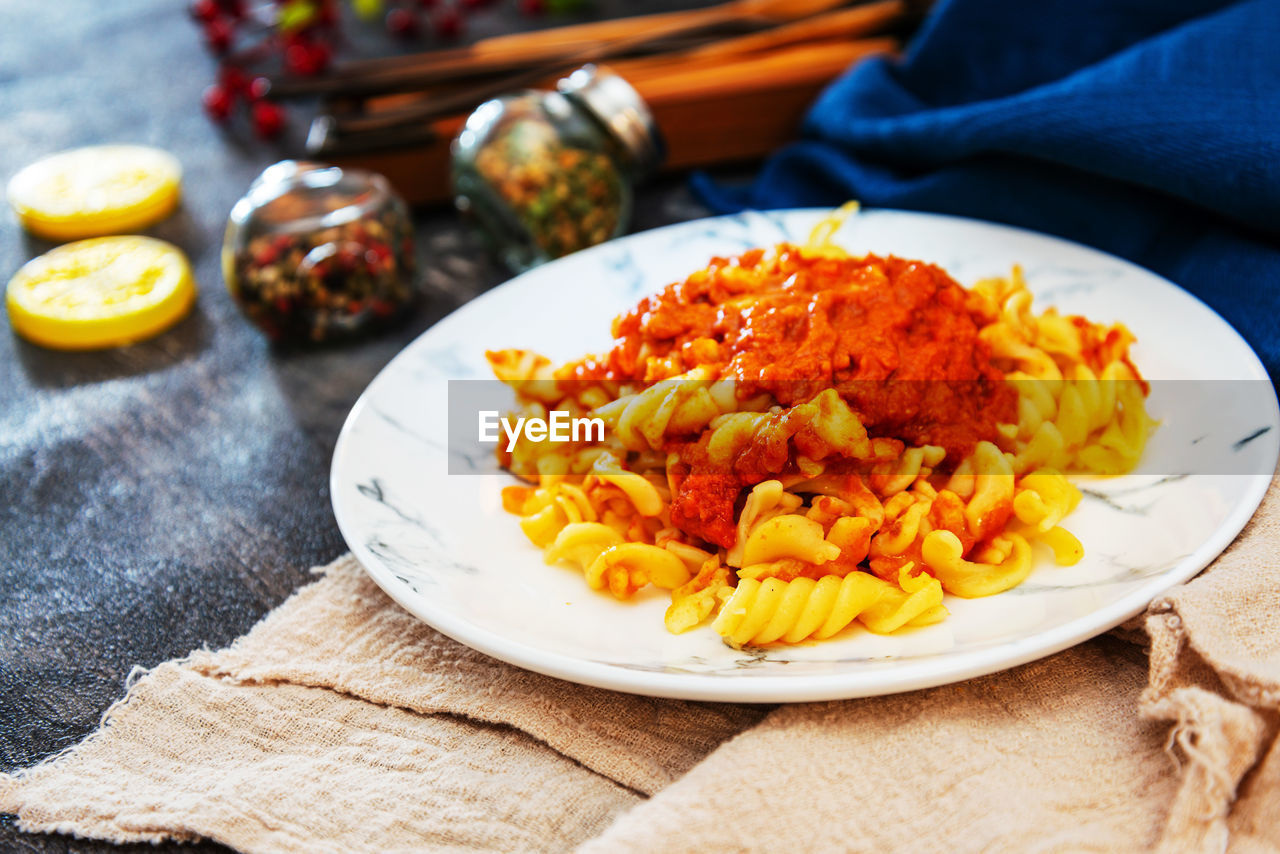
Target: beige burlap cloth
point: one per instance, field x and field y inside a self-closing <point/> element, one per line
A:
<point x="341" y="723"/>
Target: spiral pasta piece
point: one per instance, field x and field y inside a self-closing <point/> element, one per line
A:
<point x="761" y="612"/>
<point x="625" y="568"/>
<point x="766" y="500"/>
<point x="581" y="543"/>
<point x="1043" y="499"/>
<point x="699" y="597"/>
<point x="679" y="405"/>
<point x="820" y="427"/>
<point x="943" y="554"/>
<point x="788" y="536"/>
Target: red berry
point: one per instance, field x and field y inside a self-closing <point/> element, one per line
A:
<point x="301" y="58"/>
<point x="402" y="22"/>
<point x="234" y="8"/>
<point x="320" y="56"/>
<point x="533" y="7"/>
<point x="233" y="79"/>
<point x="204" y="10"/>
<point x="217" y="102"/>
<point x="448" y="23"/>
<point x="259" y="88"/>
<point x="218" y="34"/>
<point x="268" y="119"/>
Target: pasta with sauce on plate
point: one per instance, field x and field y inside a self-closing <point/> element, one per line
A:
<point x="798" y="439"/>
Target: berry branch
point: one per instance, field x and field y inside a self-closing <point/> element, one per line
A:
<point x="300" y="37"/>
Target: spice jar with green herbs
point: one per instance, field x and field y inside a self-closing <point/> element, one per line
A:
<point x="544" y="174"/>
<point x="315" y="253"/>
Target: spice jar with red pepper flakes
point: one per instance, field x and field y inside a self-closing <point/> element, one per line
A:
<point x="315" y="253"/>
<point x="544" y="174"/>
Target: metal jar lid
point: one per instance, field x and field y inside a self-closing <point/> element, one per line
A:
<point x="619" y="107"/>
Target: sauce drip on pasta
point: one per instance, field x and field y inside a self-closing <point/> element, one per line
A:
<point x="898" y="339"/>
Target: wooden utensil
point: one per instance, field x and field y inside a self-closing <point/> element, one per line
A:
<point x="594" y="41"/>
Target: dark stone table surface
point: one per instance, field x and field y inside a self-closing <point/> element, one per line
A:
<point x="163" y="497"/>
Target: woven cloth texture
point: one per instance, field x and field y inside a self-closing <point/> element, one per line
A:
<point x="341" y="723"/>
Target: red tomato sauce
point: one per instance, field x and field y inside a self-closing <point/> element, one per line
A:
<point x="898" y="339"/>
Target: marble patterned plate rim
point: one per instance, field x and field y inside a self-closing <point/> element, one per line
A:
<point x="913" y="674"/>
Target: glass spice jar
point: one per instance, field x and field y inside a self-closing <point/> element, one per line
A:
<point x="544" y="174"/>
<point x="316" y="253"/>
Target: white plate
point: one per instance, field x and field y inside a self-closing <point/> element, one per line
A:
<point x="442" y="547"/>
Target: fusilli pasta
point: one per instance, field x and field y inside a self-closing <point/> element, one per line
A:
<point x="798" y="440"/>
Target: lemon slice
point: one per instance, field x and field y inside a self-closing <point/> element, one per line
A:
<point x="102" y="189"/>
<point x="102" y="292"/>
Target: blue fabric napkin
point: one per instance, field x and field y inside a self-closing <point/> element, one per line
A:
<point x="1147" y="129"/>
